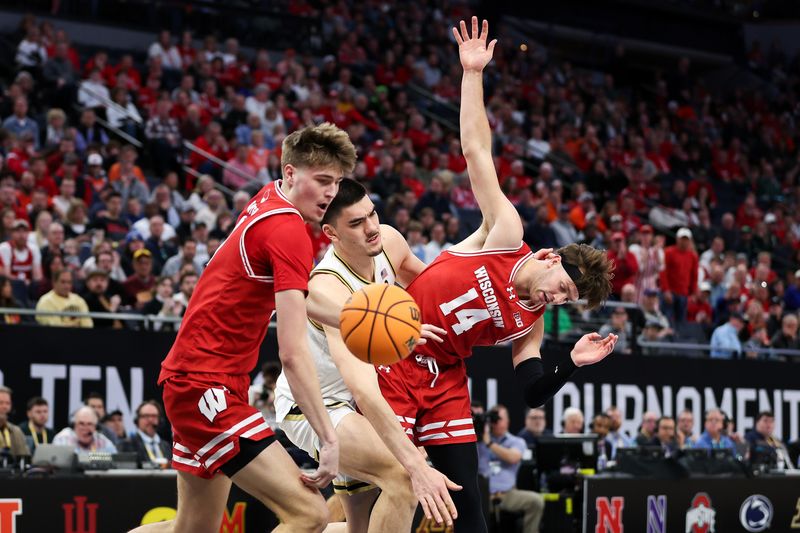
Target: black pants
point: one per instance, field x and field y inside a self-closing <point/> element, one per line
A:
<point x="459" y="462"/>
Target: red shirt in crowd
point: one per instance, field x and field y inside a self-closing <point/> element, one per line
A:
<point x="625" y="270"/>
<point x="680" y="271"/>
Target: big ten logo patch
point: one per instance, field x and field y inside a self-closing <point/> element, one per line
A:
<point x="10" y="508"/>
<point x="232" y="522"/>
<point x="657" y="514"/>
<point x="609" y="514"/>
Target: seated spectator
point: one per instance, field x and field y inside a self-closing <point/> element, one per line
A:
<point x="563" y="229"/>
<point x="262" y="395"/>
<point x="188" y="281"/>
<point x="112" y="423"/>
<point x="12" y="440"/>
<point x="652" y="311"/>
<point x="665" y="436"/>
<point x="755" y="347"/>
<point x="35" y="429"/>
<point x="635" y="314"/>
<point x="165" y="52"/>
<point x="437" y="243"/>
<point x="698" y="308"/>
<point x="535" y="426"/>
<point x="129" y="185"/>
<point x="20" y="124"/>
<point x="762" y="440"/>
<point x="239" y="171"/>
<point x="572" y="421"/>
<point x="145" y="442"/>
<point x="98" y="301"/>
<point x="138" y="286"/>
<point x="712" y="437"/>
<point x="786" y="338"/>
<point x="685" y="433"/>
<point x="616" y="436"/>
<point x="123" y="116"/>
<point x="725" y="343"/>
<point x="17" y="258"/>
<point x="652" y="332"/>
<point x="157" y="242"/>
<point x="164" y="137"/>
<point x="601" y="426"/>
<point x="61" y="299"/>
<point x="93" y="92"/>
<point x="186" y="256"/>
<point x="648" y="428"/>
<point x="89" y="132"/>
<point x="499" y="456"/>
<point x="164" y="305"/>
<point x="7" y="299"/>
<point x="31" y="53"/>
<point x="214" y="205"/>
<point x="83" y="436"/>
<point x="619" y="325"/>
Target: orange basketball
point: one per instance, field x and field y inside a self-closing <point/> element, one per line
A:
<point x="380" y="324"/>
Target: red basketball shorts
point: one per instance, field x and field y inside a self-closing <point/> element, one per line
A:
<point x="431" y="403"/>
<point x="209" y="413"/>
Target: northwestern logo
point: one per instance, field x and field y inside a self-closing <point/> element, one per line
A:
<point x="701" y="515"/>
<point x="755" y="513"/>
<point x="489" y="297"/>
<point x="657" y="514"/>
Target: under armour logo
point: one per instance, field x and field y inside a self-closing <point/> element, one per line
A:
<point x="384" y="368"/>
<point x="511" y="294"/>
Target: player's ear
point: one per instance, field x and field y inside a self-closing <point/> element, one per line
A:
<point x="288" y="174"/>
<point x="553" y="260"/>
<point x="329" y="232"/>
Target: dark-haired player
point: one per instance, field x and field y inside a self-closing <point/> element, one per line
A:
<point x="261" y="268"/>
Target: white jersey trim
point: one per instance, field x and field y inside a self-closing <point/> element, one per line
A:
<point x="226" y="434"/>
<point x="517" y="335"/>
<point x="488" y="251"/>
<point x="518" y="265"/>
<point x="243" y="251"/>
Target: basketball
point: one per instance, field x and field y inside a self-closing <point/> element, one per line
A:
<point x="380" y="324"/>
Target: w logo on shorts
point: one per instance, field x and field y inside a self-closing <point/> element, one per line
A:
<point x="212" y="403"/>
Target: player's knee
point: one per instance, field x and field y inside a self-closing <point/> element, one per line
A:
<point x="398" y="484"/>
<point x="314" y="518"/>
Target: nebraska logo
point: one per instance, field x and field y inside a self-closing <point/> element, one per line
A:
<point x="80" y="517"/>
<point x="9" y="509"/>
<point x="700" y="516"/>
<point x="212" y="403"/>
<point x="609" y="514"/>
<point x="657" y="514"/>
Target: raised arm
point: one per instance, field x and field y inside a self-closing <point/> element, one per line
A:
<point x="501" y="226"/>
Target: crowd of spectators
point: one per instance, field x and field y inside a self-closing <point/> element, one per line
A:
<point x="693" y="193"/>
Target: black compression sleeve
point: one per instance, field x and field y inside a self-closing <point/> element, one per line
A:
<point x="537" y="386"/>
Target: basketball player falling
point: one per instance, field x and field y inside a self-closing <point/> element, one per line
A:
<point x="487" y="289"/>
<point x="262" y="268"/>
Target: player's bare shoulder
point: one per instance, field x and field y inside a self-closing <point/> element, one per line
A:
<point x="394" y="244"/>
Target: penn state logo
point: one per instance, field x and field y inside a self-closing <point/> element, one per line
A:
<point x="755" y="514"/>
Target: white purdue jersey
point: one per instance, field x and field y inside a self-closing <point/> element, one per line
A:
<point x="331" y="383"/>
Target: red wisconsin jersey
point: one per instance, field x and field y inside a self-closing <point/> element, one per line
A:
<point x="226" y="320"/>
<point x="470" y="294"/>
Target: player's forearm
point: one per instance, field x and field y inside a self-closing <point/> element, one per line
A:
<point x="380" y="415"/>
<point x="303" y="382"/>
<point x="476" y="136"/>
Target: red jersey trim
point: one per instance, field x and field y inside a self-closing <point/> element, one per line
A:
<point x="488" y="251"/>
<point x="243" y="252"/>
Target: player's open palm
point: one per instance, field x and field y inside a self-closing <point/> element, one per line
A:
<point x="472" y="50"/>
<point x="431" y="489"/>
<point x="592" y="348"/>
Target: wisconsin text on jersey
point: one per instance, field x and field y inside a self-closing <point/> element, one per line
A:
<point x="489" y="297"/>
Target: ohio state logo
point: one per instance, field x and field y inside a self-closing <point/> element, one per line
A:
<point x="701" y="515"/>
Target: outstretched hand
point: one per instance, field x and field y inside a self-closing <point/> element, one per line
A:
<point x="592" y="348"/>
<point x="473" y="51"/>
